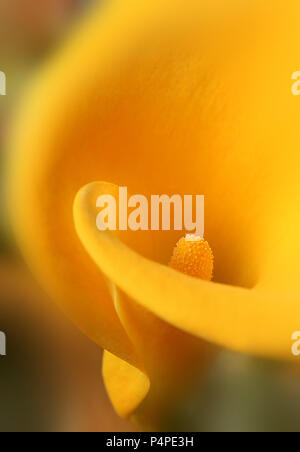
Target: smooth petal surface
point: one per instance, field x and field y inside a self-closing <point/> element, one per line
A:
<point x="126" y="385"/>
<point x="251" y="321"/>
<point x="167" y="356"/>
<point x="206" y="103"/>
<point x="168" y="97"/>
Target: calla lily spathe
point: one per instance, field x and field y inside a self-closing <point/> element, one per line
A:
<point x="167" y="97"/>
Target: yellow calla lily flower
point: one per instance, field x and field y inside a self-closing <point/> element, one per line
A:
<point x="167" y="97"/>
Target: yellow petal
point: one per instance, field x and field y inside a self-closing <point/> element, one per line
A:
<point x="126" y="385"/>
<point x="169" y="357"/>
<point x="245" y="320"/>
<point x="205" y="101"/>
<point x="172" y="359"/>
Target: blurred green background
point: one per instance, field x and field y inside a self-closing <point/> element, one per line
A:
<point x="51" y="378"/>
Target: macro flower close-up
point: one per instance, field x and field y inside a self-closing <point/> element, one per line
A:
<point x="168" y="98"/>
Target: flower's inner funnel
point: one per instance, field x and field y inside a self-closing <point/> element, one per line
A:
<point x="234" y="260"/>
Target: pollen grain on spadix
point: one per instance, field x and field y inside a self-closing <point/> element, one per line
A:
<point x="193" y="256"/>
